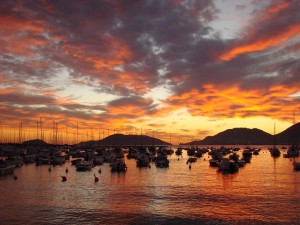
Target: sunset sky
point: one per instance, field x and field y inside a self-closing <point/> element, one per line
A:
<point x="182" y="67"/>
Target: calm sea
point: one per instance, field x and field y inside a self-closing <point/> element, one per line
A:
<point x="265" y="191"/>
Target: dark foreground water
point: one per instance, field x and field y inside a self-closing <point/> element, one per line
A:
<point x="266" y="191"/>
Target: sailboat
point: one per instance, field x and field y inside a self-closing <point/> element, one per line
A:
<point x="275" y="152"/>
<point x="296" y="165"/>
<point x="293" y="150"/>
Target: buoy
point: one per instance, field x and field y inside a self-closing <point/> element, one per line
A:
<point x="99" y="170"/>
<point x="64" y="178"/>
<point x="149" y="166"/>
<point x="190" y="166"/>
<point x="15" y="177"/>
<point x="49" y="169"/>
<point x="67" y="170"/>
<point x="96" y="178"/>
<point x="178" y="158"/>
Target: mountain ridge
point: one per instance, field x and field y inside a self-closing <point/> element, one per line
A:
<point x="254" y="136"/>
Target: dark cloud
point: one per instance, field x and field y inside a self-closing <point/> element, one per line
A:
<point x="91" y="39"/>
<point x="24" y="99"/>
<point x="128" y="47"/>
<point x="134" y="105"/>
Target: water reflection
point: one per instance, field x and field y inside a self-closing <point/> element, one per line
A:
<point x="266" y="191"/>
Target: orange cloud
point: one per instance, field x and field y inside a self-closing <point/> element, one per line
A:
<point x="227" y="102"/>
<point x="18" y="36"/>
<point x="3" y="79"/>
<point x="11" y="24"/>
<point x="7" y="91"/>
<point x="277" y="8"/>
<point x="103" y="66"/>
<point x="135" y="108"/>
<point x="117" y="54"/>
<point x="263" y="43"/>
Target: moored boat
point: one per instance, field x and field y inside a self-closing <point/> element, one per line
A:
<point x="296" y="165"/>
<point x="58" y="160"/>
<point x="241" y="163"/>
<point x="162" y="161"/>
<point x="178" y="151"/>
<point x="143" y="162"/>
<point x="275" y="152"/>
<point x="191" y="160"/>
<point x="74" y="162"/>
<point x="6" y="168"/>
<point x="98" y="160"/>
<point x="29" y="158"/>
<point x="213" y="162"/>
<point x="292" y="151"/>
<point x="84" y="166"/>
<point x="118" y="165"/>
<point x="226" y="165"/>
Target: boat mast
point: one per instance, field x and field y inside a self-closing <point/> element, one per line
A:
<point x="170" y="141"/>
<point x="152" y="138"/>
<point x="20" y="132"/>
<point x="41" y="128"/>
<point x="77" y="133"/>
<point x="1" y="133"/>
<point x="37" y="129"/>
<point x="141" y="137"/>
<point x="274" y="135"/>
<point x="56" y="133"/>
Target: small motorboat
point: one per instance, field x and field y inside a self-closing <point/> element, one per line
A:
<point x="118" y="165"/>
<point x="84" y="166"/>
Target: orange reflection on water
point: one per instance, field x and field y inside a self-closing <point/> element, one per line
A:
<point x="258" y="192"/>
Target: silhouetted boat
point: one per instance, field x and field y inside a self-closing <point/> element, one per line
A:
<point x="241" y="162"/>
<point x="74" y="162"/>
<point x="178" y="151"/>
<point x="256" y="152"/>
<point x="84" y="166"/>
<point x="275" y="152"/>
<point x="191" y="160"/>
<point x="296" y="165"/>
<point x="143" y="161"/>
<point x="98" y="160"/>
<point x="118" y="165"/>
<point x="29" y="158"/>
<point x="292" y="151"/>
<point x="226" y="165"/>
<point x="6" y="168"/>
<point x="162" y="161"/>
<point x="213" y="162"/>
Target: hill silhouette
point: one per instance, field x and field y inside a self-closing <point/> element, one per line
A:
<point x="246" y="136"/>
<point x="289" y="136"/>
<point x="237" y="136"/>
<point x="127" y="140"/>
<point x="35" y="142"/>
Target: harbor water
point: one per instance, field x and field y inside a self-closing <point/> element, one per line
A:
<point x="265" y="191"/>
